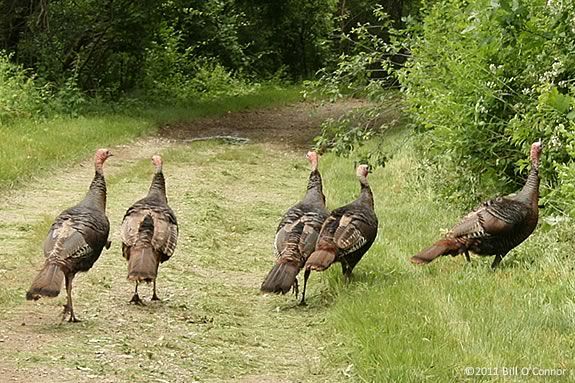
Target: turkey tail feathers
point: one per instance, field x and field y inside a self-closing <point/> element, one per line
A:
<point x="280" y="279"/>
<point x="143" y="264"/>
<point x="142" y="261"/>
<point x="443" y="247"/>
<point x="47" y="283"/>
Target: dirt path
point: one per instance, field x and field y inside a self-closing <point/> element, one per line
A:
<point x="212" y="325"/>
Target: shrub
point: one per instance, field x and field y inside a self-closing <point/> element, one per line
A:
<point x="485" y="80"/>
<point x="19" y="96"/>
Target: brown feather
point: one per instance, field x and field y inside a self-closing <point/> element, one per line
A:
<point x="281" y="278"/>
<point x="47" y="283"/>
<point x="322" y="258"/>
<point x="442" y="247"/>
<point x="142" y="264"/>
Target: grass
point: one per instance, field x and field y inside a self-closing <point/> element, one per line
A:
<point x="395" y="322"/>
<point x="213" y="325"/>
<point x="31" y="147"/>
<point x="404" y="323"/>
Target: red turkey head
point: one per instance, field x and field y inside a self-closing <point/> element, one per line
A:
<point x="101" y="156"/>
<point x="536" y="149"/>
<point x="157" y="161"/>
<point x="362" y="170"/>
<point x="313" y="159"/>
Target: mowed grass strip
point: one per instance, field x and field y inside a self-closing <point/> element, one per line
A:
<point x="405" y="323"/>
<point x="213" y="325"/>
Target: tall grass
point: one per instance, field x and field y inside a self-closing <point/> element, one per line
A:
<point x="30" y="146"/>
<point x="407" y="323"/>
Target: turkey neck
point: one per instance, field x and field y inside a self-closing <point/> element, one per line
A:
<point x="314" y="189"/>
<point x="96" y="196"/>
<point x="365" y="195"/>
<point x="530" y="192"/>
<point x="158" y="186"/>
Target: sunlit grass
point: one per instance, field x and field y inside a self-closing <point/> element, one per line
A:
<point x="404" y="323"/>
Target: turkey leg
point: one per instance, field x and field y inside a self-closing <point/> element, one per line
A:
<point x="497" y="260"/>
<point x="305" y="278"/>
<point x="68" y="308"/>
<point x="295" y="288"/>
<point x="155" y="296"/>
<point x="467" y="257"/>
<point x="136" y="298"/>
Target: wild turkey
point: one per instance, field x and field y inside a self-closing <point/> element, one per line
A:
<point x="297" y="234"/>
<point x="149" y="233"/>
<point x="75" y="241"/>
<point x="495" y="227"/>
<point x="346" y="234"/>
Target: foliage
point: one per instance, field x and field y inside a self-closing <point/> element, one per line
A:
<point x="293" y="37"/>
<point x="487" y="79"/>
<point x="119" y="47"/>
<point x="19" y="96"/>
<point x="172" y="76"/>
<point x="483" y="80"/>
<point x="367" y="68"/>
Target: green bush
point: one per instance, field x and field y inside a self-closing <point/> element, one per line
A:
<point x="483" y="80"/>
<point x="19" y="96"/>
<point x="486" y="79"/>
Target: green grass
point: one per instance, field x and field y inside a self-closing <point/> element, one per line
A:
<point x="213" y="324"/>
<point x="31" y="147"/>
<point x="405" y="323"/>
<point x="395" y="322"/>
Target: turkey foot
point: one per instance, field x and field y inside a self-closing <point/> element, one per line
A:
<point x="496" y="261"/>
<point x="136" y="300"/>
<point x="108" y="244"/>
<point x="305" y="278"/>
<point x="69" y="310"/>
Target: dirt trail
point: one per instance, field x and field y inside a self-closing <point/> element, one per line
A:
<point x="212" y="324"/>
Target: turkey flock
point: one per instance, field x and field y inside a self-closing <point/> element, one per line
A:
<point x="308" y="237"/>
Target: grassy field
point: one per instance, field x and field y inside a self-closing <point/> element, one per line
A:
<point x="394" y="323"/>
<point x="29" y="147"/>
<point x="212" y="325"/>
<point x="404" y="323"/>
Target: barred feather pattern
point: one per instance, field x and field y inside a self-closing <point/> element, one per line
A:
<point x="296" y="237"/>
<point x="155" y="204"/>
<point x="498" y="226"/>
<point x="76" y="239"/>
<point x="349" y="231"/>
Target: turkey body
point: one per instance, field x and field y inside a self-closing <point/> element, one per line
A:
<point x="346" y="234"/>
<point x="297" y="235"/>
<point x="149" y="233"/>
<point x="496" y="226"/>
<point x="75" y="241"/>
